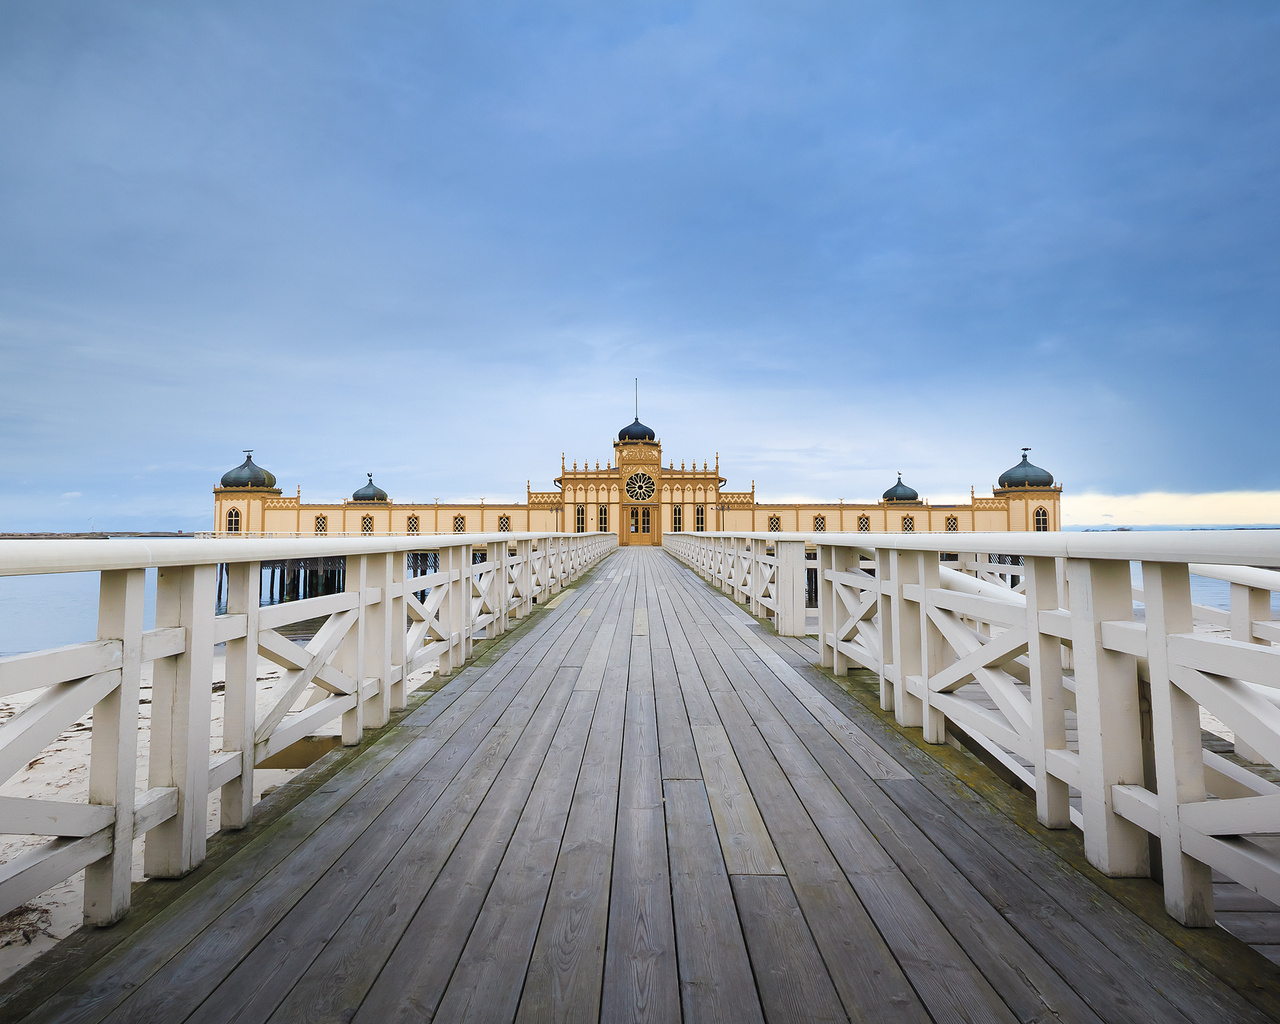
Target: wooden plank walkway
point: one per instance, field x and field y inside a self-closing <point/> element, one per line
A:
<point x="644" y="808"/>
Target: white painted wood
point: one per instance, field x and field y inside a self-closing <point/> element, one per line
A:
<point x="25" y="816"/>
<point x="20" y="673"/>
<point x="113" y="757"/>
<point x="240" y="709"/>
<point x="1175" y="722"/>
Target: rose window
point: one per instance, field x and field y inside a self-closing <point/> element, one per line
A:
<point x="640" y="487"/>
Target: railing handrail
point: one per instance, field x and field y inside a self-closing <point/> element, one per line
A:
<point x="33" y="557"/>
<point x="1214" y="547"/>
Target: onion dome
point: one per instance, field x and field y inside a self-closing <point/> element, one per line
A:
<point x="636" y="431"/>
<point x="248" y="474"/>
<point x="901" y="492"/>
<point x="370" y="492"/>
<point x="1024" y="474"/>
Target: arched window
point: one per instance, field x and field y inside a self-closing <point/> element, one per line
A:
<point x="645" y="520"/>
<point x="700" y="518"/>
<point x="677" y="518"/>
<point x="504" y="524"/>
<point x="819" y="524"/>
<point x="413" y="524"/>
<point x="602" y="518"/>
<point x="775" y="524"/>
<point x="322" y="524"/>
<point x="233" y="521"/>
<point x="1042" y="519"/>
<point x="459" y="524"/>
<point x="366" y="524"/>
<point x="908" y="524"/>
<point x="953" y="524"/>
<point x="864" y="524"/>
<point x="580" y="519"/>
<point x="635" y="519"/>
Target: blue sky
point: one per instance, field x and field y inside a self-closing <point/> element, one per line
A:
<point x="437" y="242"/>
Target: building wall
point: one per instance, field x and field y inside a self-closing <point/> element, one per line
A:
<point x="268" y="511"/>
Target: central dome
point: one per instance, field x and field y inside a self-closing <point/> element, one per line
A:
<point x="636" y="431"/>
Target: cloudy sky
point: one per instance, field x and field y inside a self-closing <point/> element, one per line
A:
<point x="834" y="240"/>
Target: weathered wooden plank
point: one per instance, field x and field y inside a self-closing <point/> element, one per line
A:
<point x="99" y="989"/>
<point x="792" y="978"/>
<point x="716" y="983"/>
<point x="563" y="981"/>
<point x="410" y="840"/>
<point x="640" y="977"/>
<point x="870" y="983"/>
<point x="487" y="980"/>
<point x="748" y="850"/>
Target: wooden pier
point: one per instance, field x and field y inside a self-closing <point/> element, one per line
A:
<point x="643" y="805"/>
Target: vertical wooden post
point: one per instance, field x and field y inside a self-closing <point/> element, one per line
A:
<point x="888" y="628"/>
<point x="789" y="588"/>
<point x="1175" y="722"/>
<point x="904" y="569"/>
<point x="350" y="656"/>
<point x="181" y="697"/>
<point x="501" y="590"/>
<point x="827" y="608"/>
<point x="1107" y="714"/>
<point x="377" y="622"/>
<point x="1248" y="605"/>
<point x="933" y="648"/>
<point x="239" y="714"/>
<point x="398" y="625"/>
<point x="1048" y="721"/>
<point x="113" y="758"/>
<point x="524" y="577"/>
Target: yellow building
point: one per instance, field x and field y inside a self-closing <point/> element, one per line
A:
<point x="637" y="498"/>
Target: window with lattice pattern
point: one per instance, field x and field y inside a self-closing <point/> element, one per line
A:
<point x="366" y="524"/>
<point x="322" y="524"/>
<point x="504" y="524"/>
<point x="864" y="524"/>
<point x="413" y="524"/>
<point x="819" y="524"/>
<point x="953" y="524"/>
<point x="908" y="524"/>
<point x="775" y="524"/>
<point x="459" y="524"/>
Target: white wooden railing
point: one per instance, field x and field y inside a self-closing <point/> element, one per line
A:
<point x="374" y="636"/>
<point x="1024" y="642"/>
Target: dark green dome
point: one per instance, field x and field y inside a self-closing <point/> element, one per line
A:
<point x="248" y="474"/>
<point x="1024" y="474"/>
<point x="901" y="492"/>
<point x="636" y="431"/>
<point x="370" y="492"/>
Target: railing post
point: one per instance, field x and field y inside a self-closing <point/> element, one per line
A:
<point x="396" y="627"/>
<point x="240" y="698"/>
<point x="932" y="648"/>
<point x="789" y="588"/>
<point x="1048" y="718"/>
<point x="497" y="554"/>
<point x="181" y="698"/>
<point x="113" y="757"/>
<point x="524" y="577"/>
<point x="1107" y="714"/>
<point x="886" y="610"/>
<point x="1175" y="723"/>
<point x="1248" y="605"/>
<point x="904" y="570"/>
<point x="377" y="621"/>
<point x="350" y="657"/>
